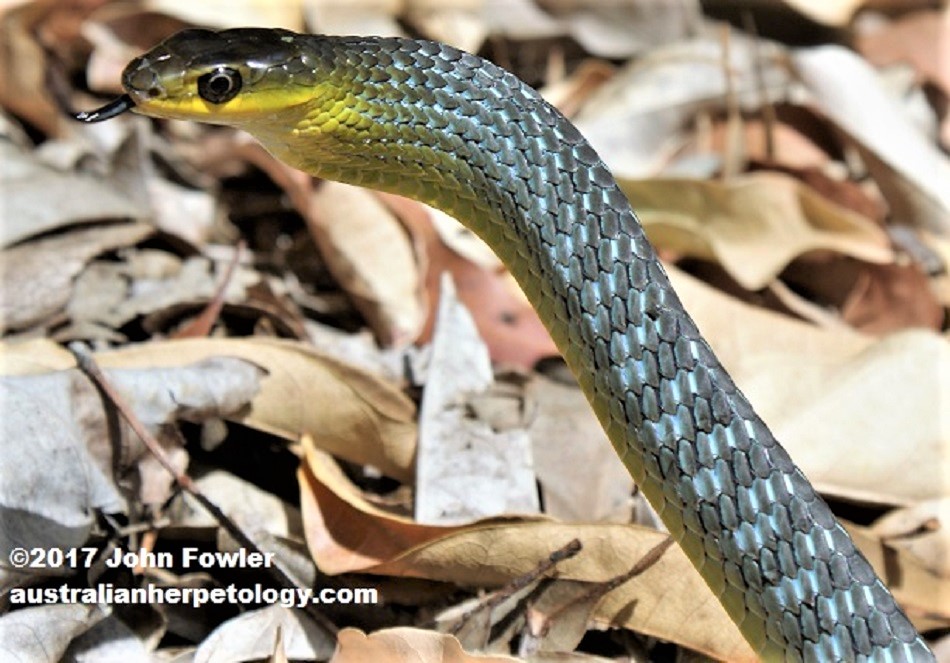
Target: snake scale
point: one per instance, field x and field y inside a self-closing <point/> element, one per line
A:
<point x="448" y="128"/>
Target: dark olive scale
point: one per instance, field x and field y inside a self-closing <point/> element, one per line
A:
<point x="449" y="128"/>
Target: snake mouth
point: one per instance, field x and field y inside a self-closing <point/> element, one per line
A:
<point x="110" y="110"/>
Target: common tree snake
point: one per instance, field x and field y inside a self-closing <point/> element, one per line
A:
<point x="430" y="122"/>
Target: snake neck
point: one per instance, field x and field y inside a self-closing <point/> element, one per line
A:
<point x="435" y="124"/>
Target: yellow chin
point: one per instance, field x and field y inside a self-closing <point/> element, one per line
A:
<point x="244" y="108"/>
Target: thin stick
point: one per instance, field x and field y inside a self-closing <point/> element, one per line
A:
<point x="566" y="552"/>
<point x="87" y="364"/>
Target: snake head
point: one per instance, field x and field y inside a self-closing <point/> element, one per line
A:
<point x="223" y="77"/>
<point x="233" y="77"/>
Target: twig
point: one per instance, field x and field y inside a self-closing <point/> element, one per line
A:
<point x="769" y="117"/>
<point x="87" y="364"/>
<point x="648" y="560"/>
<point x="201" y="326"/>
<point x="566" y="552"/>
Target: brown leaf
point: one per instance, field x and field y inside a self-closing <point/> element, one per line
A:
<point x="23" y="65"/>
<point x="753" y="225"/>
<point x="505" y="320"/>
<point x="371" y="257"/>
<point x="395" y="645"/>
<point x="918" y="38"/>
<point x="345" y="533"/>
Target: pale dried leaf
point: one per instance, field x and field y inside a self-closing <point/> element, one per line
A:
<point x="182" y="212"/>
<point x="908" y="168"/>
<point x="831" y="12"/>
<point x="917" y="38"/>
<point x="355" y="17"/>
<point x="42" y="634"/>
<point x="222" y="14"/>
<point x="638" y="119"/>
<point x="252" y="636"/>
<point x="520" y="20"/>
<point x="559" y="616"/>
<point x="460" y="24"/>
<point x="465" y="468"/>
<point x="921" y="532"/>
<point x="921" y="589"/>
<point x="109" y="641"/>
<point x="36" y="278"/>
<point x="252" y="508"/>
<point x="578" y="470"/>
<point x="620" y="30"/>
<point x="44" y="503"/>
<point x="38" y="198"/>
<point x="396" y="645"/>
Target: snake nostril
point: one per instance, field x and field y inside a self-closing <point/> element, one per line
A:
<point x="154" y="91"/>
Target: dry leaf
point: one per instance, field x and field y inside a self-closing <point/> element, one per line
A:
<point x="505" y="320"/>
<point x="38" y="198"/>
<point x="620" y="30"/>
<point x="916" y="38"/>
<point x="345" y="533"/>
<point x="580" y="475"/>
<point x="922" y="535"/>
<point x="922" y="589"/>
<point x="465" y="468"/>
<point x="111" y="639"/>
<point x="351" y="413"/>
<point x="59" y="624"/>
<point x="23" y="66"/>
<point x="909" y="170"/>
<point x="638" y="120"/>
<point x="36" y="277"/>
<point x="396" y="645"/>
<point x="831" y="12"/>
<point x="461" y="23"/>
<point x="753" y="225"/>
<point x="355" y="17"/>
<point x="371" y="257"/>
<point x="251" y="636"/>
<point x="222" y="14"/>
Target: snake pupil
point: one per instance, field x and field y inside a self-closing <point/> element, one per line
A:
<point x="219" y="86"/>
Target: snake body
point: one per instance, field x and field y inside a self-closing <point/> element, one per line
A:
<point x="428" y="121"/>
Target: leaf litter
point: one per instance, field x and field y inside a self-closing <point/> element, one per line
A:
<point x="776" y="172"/>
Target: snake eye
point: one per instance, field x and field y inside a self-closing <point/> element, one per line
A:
<point x="220" y="85"/>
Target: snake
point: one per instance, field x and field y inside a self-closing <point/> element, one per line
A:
<point x="448" y="128"/>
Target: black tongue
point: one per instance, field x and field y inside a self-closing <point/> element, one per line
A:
<point x="110" y="110"/>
